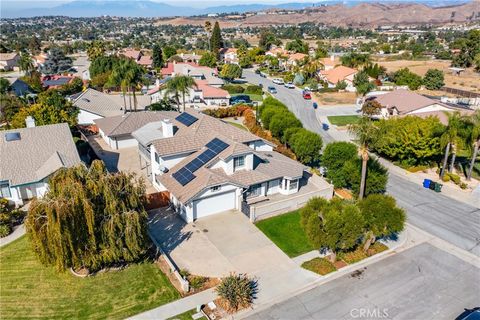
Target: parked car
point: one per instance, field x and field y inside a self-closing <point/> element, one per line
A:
<point x="241" y="98"/>
<point x="290" y="85"/>
<point x="260" y="85"/>
<point x="257" y="71"/>
<point x="272" y="90"/>
<point x="325" y="126"/>
<point x="315" y="105"/>
<point x="263" y="75"/>
<point x="306" y="95"/>
<point x="278" y="81"/>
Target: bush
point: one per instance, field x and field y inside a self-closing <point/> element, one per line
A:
<point x="377" y="176"/>
<point x="254" y="89"/>
<point x="5" y="230"/>
<point x="197" y="282"/>
<point x="233" y="89"/>
<point x="237" y="291"/>
<point x="235" y="111"/>
<point x="306" y="145"/>
<point x="341" y="85"/>
<point x="375" y="248"/>
<point x="333" y="159"/>
<point x="319" y="265"/>
<point x="417" y="169"/>
<point x="463" y="185"/>
<point x="455" y="178"/>
<point x="325" y="90"/>
<point x="446" y="178"/>
<point x="281" y="121"/>
<point x="354" y="256"/>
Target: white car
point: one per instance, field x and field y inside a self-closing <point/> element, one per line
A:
<point x="278" y="81"/>
<point x="289" y="85"/>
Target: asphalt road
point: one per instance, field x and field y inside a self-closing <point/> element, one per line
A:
<point x="421" y="283"/>
<point x="448" y="219"/>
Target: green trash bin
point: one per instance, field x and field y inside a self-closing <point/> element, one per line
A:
<point x="438" y="187"/>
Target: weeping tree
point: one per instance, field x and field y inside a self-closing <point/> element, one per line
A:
<point x="89" y="219"/>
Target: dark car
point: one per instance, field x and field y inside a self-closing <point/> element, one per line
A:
<point x="263" y="75"/>
<point x="258" y="71"/>
<point x="260" y="85"/>
<point x="325" y="126"/>
<point x="241" y="98"/>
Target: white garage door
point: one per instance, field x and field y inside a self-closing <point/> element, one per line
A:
<point x="214" y="204"/>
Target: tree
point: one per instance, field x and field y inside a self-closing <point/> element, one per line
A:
<point x="208" y="59"/>
<point x="162" y="105"/>
<point x="433" y="79"/>
<point x="157" y="57"/>
<point x="34" y="81"/>
<point x="371" y="108"/>
<point x="169" y="51"/>
<point x="365" y="132"/>
<point x="34" y="45"/>
<point x="231" y="71"/>
<point x="89" y="219"/>
<point x="473" y="138"/>
<point x="127" y="75"/>
<point x="56" y="62"/>
<point x="450" y="140"/>
<point x="307" y="146"/>
<point x="355" y="60"/>
<point x="374" y="70"/>
<point x="4" y="85"/>
<point x="74" y="86"/>
<point x="404" y="77"/>
<point x="267" y="39"/>
<point x="382" y="217"/>
<point x="95" y="50"/>
<point x="26" y="63"/>
<point x="104" y="64"/>
<point x="341" y="85"/>
<point x="336" y="224"/>
<point x="9" y="106"/>
<point x="216" y="42"/>
<point x="297" y="45"/>
<point x="334" y="157"/>
<point x="376" y="177"/>
<point x="179" y="85"/>
<point x="281" y="121"/>
<point x="237" y="291"/>
<point x="362" y="83"/>
<point x="469" y="49"/>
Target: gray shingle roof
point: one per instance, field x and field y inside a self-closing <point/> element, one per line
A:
<point x="40" y="152"/>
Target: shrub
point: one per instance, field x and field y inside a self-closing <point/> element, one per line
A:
<point x="237" y="291"/>
<point x="253" y="89"/>
<point x="352" y="256"/>
<point x="455" y="178"/>
<point x="463" y="185"/>
<point x="4" y="218"/>
<point x="319" y="265"/>
<point x="341" y="85"/>
<point x="281" y="121"/>
<point x="232" y="88"/>
<point x="196" y="282"/>
<point x="446" y="178"/>
<point x="306" y="145"/>
<point x="333" y="159"/>
<point x="417" y="168"/>
<point x="377" y="176"/>
<point x="375" y="248"/>
<point x="235" y="111"/>
<point x="5" y="230"/>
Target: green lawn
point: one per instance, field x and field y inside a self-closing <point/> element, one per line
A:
<point x="31" y="290"/>
<point x="343" y="120"/>
<point x="287" y="233"/>
<point x="254" y="97"/>
<point x="186" y="316"/>
<point x="238" y="125"/>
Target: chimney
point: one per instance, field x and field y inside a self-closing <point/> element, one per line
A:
<point x="167" y="128"/>
<point x="30" y="122"/>
<point x="157" y="82"/>
<point x="332" y="57"/>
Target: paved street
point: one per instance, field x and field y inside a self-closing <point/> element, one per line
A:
<point x="421" y="283"/>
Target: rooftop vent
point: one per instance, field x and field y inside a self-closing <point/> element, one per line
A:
<point x="12" y="136"/>
<point x="86" y="100"/>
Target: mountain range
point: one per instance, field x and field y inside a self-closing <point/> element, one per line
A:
<point x="145" y="8"/>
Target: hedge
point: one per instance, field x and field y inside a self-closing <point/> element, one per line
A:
<point x="232" y="88"/>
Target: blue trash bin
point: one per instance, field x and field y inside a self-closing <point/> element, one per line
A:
<point x="426" y="183"/>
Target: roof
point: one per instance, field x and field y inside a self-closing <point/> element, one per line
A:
<point x="211" y="92"/>
<point x="131" y="53"/>
<point x="106" y="105"/>
<point x="148" y="133"/>
<point x="338" y="73"/>
<point x="40" y="152"/>
<point x="8" y="56"/>
<point x="405" y="101"/>
<point x="56" y="81"/>
<point x="145" y="61"/>
<point x="329" y="61"/>
<point x="130" y="122"/>
<point x="20" y="88"/>
<point x="193" y="138"/>
<point x="441" y="115"/>
<point x="296" y="56"/>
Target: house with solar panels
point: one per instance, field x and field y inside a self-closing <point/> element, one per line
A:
<point x="29" y="156"/>
<point x="209" y="166"/>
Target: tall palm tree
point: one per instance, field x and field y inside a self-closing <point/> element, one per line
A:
<point x="179" y="85"/>
<point x="26" y="63"/>
<point x="449" y="140"/>
<point x="365" y="132"/>
<point x="473" y="138"/>
<point x="128" y="75"/>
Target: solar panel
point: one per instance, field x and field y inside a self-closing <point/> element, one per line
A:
<point x="183" y="176"/>
<point x="217" y="145"/>
<point x="186" y="118"/>
<point x="206" y="156"/>
<point x="12" y="136"/>
<point x="194" y="165"/>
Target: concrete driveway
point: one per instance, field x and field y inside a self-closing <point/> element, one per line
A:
<point x="421" y="283"/>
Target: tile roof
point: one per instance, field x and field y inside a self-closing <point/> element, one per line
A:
<point x="211" y="92"/>
<point x="40" y="152"/>
<point x="56" y="81"/>
<point x="441" y="115"/>
<point x="296" y="56"/>
<point x="405" y="101"/>
<point x="337" y="74"/>
<point x="145" y="61"/>
<point x="8" y="56"/>
<point x="132" y="121"/>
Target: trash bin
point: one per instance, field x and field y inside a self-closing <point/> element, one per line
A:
<point x="426" y="183"/>
<point x="432" y="185"/>
<point x="438" y="187"/>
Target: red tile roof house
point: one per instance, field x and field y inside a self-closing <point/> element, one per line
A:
<point x="194" y="70"/>
<point x="295" y="58"/>
<point x="139" y="57"/>
<point x="56" y="81"/>
<point x="337" y="74"/>
<point x="404" y="102"/>
<point x="229" y="55"/>
<point x="209" y="166"/>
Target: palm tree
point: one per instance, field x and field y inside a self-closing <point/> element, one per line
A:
<point x="128" y="75"/>
<point x="179" y="85"/>
<point x="311" y="68"/>
<point x="26" y="63"/>
<point x="449" y="140"/>
<point x="95" y="49"/>
<point x="473" y="137"/>
<point x="365" y="132"/>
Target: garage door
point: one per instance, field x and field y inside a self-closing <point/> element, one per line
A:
<point x="214" y="204"/>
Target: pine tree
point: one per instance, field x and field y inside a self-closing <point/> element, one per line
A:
<point x="157" y="57"/>
<point x="216" y="42"/>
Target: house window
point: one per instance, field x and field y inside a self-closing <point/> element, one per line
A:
<point x="5" y="190"/>
<point x="215" y="188"/>
<point x="293" y="184"/>
<point x="157" y="158"/>
<point x="255" y="190"/>
<point x="238" y="162"/>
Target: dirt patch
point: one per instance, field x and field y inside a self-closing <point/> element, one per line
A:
<point x="333" y="98"/>
<point x="340" y="264"/>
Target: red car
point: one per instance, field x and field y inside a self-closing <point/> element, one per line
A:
<point x="307" y="95"/>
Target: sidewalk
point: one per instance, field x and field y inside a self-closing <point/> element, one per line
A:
<point x="179" y="306"/>
<point x="17" y="233"/>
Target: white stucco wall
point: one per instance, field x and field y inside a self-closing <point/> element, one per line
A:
<point x="260" y="145"/>
<point x="431" y="108"/>
<point x="85" y="117"/>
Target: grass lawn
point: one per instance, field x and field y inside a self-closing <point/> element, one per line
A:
<point x="343" y="120"/>
<point x="287" y="233"/>
<point x="238" y="125"/>
<point x="186" y="316"/>
<point x="254" y="97"/>
<point x="30" y="290"/>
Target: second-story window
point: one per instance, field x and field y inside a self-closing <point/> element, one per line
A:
<point x="238" y="162"/>
<point x="215" y="188"/>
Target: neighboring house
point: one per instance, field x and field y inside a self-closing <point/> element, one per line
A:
<point x="202" y="93"/>
<point x="94" y="105"/>
<point x="276" y="52"/>
<point x="295" y="58"/>
<point x="404" y="102"/>
<point x="117" y="131"/>
<point x="29" y="156"/>
<point x="229" y="55"/>
<point x="39" y="60"/>
<point x="9" y="61"/>
<point x="55" y="81"/>
<point x="209" y="166"/>
<point x="190" y="57"/>
<point x="338" y="74"/>
<point x="20" y="88"/>
<point x="330" y="62"/>
<point x="139" y="57"/>
<point x="193" y="70"/>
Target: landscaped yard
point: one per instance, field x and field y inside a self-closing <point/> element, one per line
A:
<point x="343" y="120"/>
<point x="254" y="97"/>
<point x="30" y="290"/>
<point x="186" y="316"/>
<point x="287" y="233"/>
<point x="238" y="125"/>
